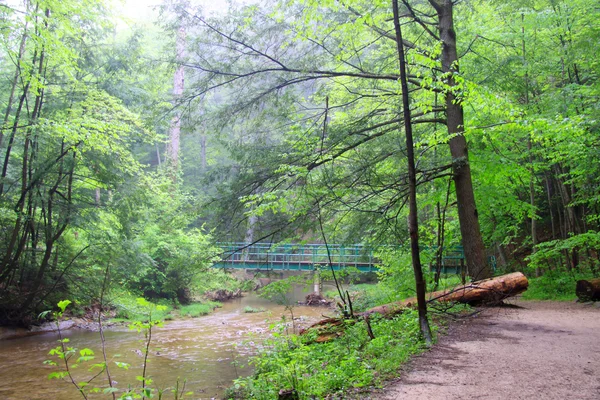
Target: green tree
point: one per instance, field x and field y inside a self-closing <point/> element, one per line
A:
<point x="164" y="255"/>
<point x="533" y="106"/>
<point x="340" y="153"/>
<point x="66" y="140"/>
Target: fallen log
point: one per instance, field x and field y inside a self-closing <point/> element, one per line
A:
<point x="588" y="290"/>
<point x="488" y="291"/>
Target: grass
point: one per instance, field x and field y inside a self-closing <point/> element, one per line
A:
<point x="198" y="309"/>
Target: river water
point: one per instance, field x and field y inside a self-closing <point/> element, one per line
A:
<point x="204" y="351"/>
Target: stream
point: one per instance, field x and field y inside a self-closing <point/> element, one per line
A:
<point x="204" y="351"/>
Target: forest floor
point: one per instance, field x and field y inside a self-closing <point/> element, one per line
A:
<point x="525" y="350"/>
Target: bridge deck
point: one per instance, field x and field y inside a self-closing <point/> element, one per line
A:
<point x="308" y="257"/>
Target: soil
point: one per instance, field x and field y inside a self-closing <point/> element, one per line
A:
<point x="524" y="350"/>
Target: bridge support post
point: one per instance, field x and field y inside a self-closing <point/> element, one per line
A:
<point x="317" y="282"/>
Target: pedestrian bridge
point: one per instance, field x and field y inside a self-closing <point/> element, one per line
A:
<point x="308" y="257"/>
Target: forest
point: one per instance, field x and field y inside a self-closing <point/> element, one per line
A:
<point x="129" y="153"/>
<point x="130" y="148"/>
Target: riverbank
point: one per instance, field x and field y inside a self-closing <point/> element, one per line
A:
<point x="208" y="352"/>
<point x="121" y="306"/>
<point x="113" y="316"/>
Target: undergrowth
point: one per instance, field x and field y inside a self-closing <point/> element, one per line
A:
<point x="555" y="286"/>
<point x="365" y="296"/>
<point x="127" y="307"/>
<point x="215" y="279"/>
<point x="316" y="370"/>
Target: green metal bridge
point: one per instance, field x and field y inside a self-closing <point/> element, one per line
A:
<point x="307" y="257"/>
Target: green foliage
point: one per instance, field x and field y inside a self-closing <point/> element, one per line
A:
<point x="71" y="358"/>
<point x="352" y="361"/>
<point x="151" y="312"/>
<point x="165" y="256"/>
<point x="214" y="279"/>
<point x="397" y="276"/>
<point x="555" y="285"/>
<point x="300" y="111"/>
<point x="198" y="309"/>
<point x="396" y="272"/>
<point x="65" y="355"/>
<point x="128" y="307"/>
<point x="533" y="128"/>
<point x="281" y="291"/>
<point x="365" y="296"/>
<point x="551" y="254"/>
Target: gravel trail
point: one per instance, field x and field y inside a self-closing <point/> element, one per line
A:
<point x="528" y="350"/>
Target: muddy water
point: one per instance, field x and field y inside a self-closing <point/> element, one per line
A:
<point x="204" y="351"/>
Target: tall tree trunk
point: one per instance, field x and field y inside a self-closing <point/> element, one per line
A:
<point x="249" y="238"/>
<point x="550" y="207"/>
<point x="441" y="232"/>
<point x="52" y="230"/>
<point x="203" y="152"/>
<point x="467" y="211"/>
<point x="534" y="240"/>
<point x="10" y="258"/>
<point x="501" y="254"/>
<point x="14" y="82"/>
<point x="13" y="133"/>
<point x="413" y="221"/>
<point x="178" y="86"/>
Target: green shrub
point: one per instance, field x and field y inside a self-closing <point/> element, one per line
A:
<point x="214" y="279"/>
<point x="127" y="307"/>
<point x="555" y="285"/>
<point x="318" y="370"/>
<point x="551" y="255"/>
<point x="365" y="296"/>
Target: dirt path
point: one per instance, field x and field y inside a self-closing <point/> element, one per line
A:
<point x="541" y="350"/>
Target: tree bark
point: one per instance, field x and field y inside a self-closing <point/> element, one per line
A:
<point x="413" y="220"/>
<point x="203" y="152"/>
<point x="472" y="241"/>
<point x="178" y="86"/>
<point x="487" y="291"/>
<point x="15" y="81"/>
<point x="550" y="207"/>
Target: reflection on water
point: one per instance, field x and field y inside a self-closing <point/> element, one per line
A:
<point x="200" y="350"/>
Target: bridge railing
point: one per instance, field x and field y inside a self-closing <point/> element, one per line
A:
<point x="293" y="256"/>
<point x="307" y="256"/>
